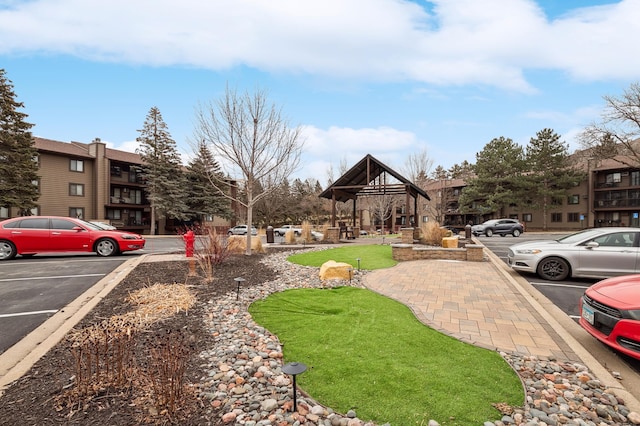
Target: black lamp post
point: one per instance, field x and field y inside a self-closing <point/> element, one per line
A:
<point x="293" y="369"/>
<point x="358" y="259"/>
<point x="238" y="280"/>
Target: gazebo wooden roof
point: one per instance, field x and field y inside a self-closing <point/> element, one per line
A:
<point x="369" y="178"/>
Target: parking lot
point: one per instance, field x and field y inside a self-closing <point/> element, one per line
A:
<point x="563" y="294"/>
<point x="35" y="288"/>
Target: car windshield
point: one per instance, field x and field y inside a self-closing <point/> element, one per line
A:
<point x="579" y="236"/>
<point x="90" y="225"/>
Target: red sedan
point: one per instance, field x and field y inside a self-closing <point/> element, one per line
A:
<point x="610" y="312"/>
<point x="31" y="235"/>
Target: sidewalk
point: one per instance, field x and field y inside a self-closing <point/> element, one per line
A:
<point x="482" y="303"/>
<point x="472" y="302"/>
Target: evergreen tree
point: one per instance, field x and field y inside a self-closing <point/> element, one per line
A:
<point x="550" y="172"/>
<point x="498" y="180"/>
<point x="18" y="155"/>
<point x="162" y="169"/>
<point x="203" y="178"/>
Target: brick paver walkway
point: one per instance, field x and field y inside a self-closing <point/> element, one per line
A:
<point x="473" y="302"/>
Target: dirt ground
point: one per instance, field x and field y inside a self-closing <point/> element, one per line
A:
<point x="48" y="394"/>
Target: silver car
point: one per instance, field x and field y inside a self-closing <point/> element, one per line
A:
<point x="592" y="253"/>
<point x="241" y="230"/>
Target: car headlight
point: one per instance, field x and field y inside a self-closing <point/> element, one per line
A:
<point x="130" y="237"/>
<point x="529" y="251"/>
<point x="634" y="314"/>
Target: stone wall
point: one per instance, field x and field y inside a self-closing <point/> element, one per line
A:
<point x="471" y="252"/>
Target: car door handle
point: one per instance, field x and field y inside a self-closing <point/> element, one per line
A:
<point x="56" y="233"/>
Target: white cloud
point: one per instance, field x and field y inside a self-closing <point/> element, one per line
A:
<point x="457" y="42"/>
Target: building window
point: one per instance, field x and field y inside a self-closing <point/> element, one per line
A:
<point x="76" y="189"/>
<point x="527" y="217"/>
<point x="556" y="217"/>
<point x="4" y="213"/>
<point x="114" y="214"/>
<point x="573" y="217"/>
<point x="573" y="199"/>
<point x="425" y="219"/>
<point x="613" y="178"/>
<point x="76" y="166"/>
<point x="77" y="212"/>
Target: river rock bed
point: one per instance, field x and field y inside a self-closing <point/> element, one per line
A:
<point x="243" y="378"/>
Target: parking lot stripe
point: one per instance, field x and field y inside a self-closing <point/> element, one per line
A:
<point x="18" y="314"/>
<point x="55" y="277"/>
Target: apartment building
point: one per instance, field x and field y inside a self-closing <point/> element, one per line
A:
<point x="92" y="182"/>
<point x="609" y="196"/>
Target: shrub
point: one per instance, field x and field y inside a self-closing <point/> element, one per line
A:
<point x="432" y="233"/>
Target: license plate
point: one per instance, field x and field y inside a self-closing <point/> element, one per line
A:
<point x="587" y="314"/>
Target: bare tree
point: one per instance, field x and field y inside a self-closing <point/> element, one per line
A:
<point x="417" y="167"/>
<point x="382" y="206"/>
<point x="257" y="146"/>
<point x="617" y="134"/>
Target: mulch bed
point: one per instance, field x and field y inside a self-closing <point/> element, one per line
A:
<point x="48" y="395"/>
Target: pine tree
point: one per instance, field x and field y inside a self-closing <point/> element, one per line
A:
<point x="203" y="177"/>
<point x="550" y="172"/>
<point x="18" y="155"/>
<point x="498" y="180"/>
<point x="162" y="168"/>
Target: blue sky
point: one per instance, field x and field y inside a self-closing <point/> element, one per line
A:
<point x="380" y="77"/>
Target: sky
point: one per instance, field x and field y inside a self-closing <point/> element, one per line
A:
<point x="388" y="78"/>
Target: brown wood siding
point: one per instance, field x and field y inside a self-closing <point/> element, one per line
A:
<point x="55" y="177"/>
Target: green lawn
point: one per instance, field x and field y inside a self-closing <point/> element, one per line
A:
<point x="374" y="256"/>
<point x="369" y="353"/>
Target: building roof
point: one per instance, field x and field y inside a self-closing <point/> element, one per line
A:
<point x="81" y="150"/>
<point x="75" y="149"/>
<point x="360" y="180"/>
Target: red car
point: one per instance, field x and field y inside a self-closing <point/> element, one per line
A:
<point x="30" y="235"/>
<point x="610" y="312"/>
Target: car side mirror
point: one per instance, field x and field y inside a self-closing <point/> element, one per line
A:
<point x="592" y="244"/>
<point x="78" y="228"/>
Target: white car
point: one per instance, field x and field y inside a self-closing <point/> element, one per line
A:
<point x="241" y="230"/>
<point x="592" y="253"/>
<point x="286" y="228"/>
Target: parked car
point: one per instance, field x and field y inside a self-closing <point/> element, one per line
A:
<point x="501" y="227"/>
<point x="592" y="253"/>
<point x="242" y="230"/>
<point x="286" y="228"/>
<point x="31" y="235"/>
<point x="363" y="232"/>
<point x="610" y="312"/>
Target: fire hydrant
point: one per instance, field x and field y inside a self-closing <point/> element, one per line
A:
<point x="189" y="241"/>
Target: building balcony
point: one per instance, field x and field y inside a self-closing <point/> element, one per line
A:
<point x="623" y="203"/>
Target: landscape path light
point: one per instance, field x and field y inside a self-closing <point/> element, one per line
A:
<point x="358" y="259"/>
<point x="293" y="369"/>
<point x="238" y="280"/>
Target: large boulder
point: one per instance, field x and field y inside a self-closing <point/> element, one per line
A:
<point x="332" y="270"/>
<point x="238" y="244"/>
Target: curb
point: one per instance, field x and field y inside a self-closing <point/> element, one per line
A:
<point x="555" y="320"/>
<point x="18" y="359"/>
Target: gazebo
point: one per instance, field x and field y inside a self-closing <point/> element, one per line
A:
<point x="370" y="177"/>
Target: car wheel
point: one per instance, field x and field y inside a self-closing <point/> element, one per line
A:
<point x="553" y="269"/>
<point x="106" y="247"/>
<point x="7" y="250"/>
<point x="488" y="233"/>
<point x="516" y="233"/>
<point x="229" y="233"/>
